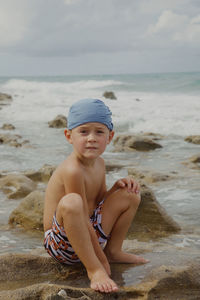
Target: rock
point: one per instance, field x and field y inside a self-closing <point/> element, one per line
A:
<point x="152" y="135"/>
<point x="109" y="95"/>
<point x="30" y="277"/>
<point x="193" y="162"/>
<point x="4" y="96"/>
<point x="5" y="99"/>
<point x="195" y="159"/>
<point x="16" y="267"/>
<point x="59" y="122"/>
<point x="195" y="139"/>
<point x="12" y="140"/>
<point x="8" y="127"/>
<point x="133" y="142"/>
<point x="43" y="174"/>
<point x="29" y="213"/>
<point x="110" y="166"/>
<point x="148" y="176"/>
<point x="151" y="220"/>
<point x="176" y="283"/>
<point x="16" y="186"/>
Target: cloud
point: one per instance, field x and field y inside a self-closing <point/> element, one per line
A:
<point x="179" y="28"/>
<point x="77" y="27"/>
<point x="103" y="32"/>
<point x="13" y="22"/>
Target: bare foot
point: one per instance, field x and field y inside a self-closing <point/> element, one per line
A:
<point x="101" y="282"/>
<point x="123" y="257"/>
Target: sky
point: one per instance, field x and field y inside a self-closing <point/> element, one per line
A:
<point x="77" y="37"/>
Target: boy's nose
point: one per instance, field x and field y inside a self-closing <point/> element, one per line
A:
<point x="91" y="137"/>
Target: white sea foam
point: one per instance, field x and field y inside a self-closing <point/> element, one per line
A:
<point x="135" y="111"/>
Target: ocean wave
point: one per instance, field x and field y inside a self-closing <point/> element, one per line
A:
<point x="136" y="109"/>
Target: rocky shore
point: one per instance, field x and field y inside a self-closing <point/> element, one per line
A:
<point x="174" y="270"/>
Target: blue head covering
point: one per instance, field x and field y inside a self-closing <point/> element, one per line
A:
<point x="89" y="110"/>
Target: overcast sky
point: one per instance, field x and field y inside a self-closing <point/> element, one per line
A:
<point x="58" y="37"/>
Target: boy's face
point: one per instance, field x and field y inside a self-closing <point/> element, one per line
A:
<point x="90" y="139"/>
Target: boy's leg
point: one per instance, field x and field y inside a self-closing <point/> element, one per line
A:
<point x="118" y="212"/>
<point x="70" y="214"/>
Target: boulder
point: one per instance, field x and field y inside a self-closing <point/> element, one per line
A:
<point x="29" y="213"/>
<point x="148" y="176"/>
<point x="195" y="139"/>
<point x="43" y="174"/>
<point x="134" y="142"/>
<point x="109" y="95"/>
<point x="16" y="186"/>
<point x="16" y="267"/>
<point x="151" y="220"/>
<point x="59" y="122"/>
<point x="176" y="283"/>
<point x="8" y="127"/>
<point x="30" y="277"/>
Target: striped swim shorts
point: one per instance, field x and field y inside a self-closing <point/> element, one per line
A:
<point x="58" y="246"/>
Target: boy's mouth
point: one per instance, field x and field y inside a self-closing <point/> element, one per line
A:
<point x="91" y="148"/>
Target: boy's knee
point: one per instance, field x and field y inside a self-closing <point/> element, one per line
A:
<point x="133" y="199"/>
<point x="136" y="199"/>
<point x="71" y="203"/>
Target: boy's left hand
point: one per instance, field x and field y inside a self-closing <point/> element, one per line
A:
<point x="129" y="183"/>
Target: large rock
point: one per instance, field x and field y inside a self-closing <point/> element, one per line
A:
<point x="29" y="213"/>
<point x="176" y="283"/>
<point x="16" y="186"/>
<point x="195" y="139"/>
<point x="134" y="142"/>
<point x="151" y="220"/>
<point x="30" y="277"/>
<point x="43" y="174"/>
<point x="59" y="122"/>
<point x="16" y="267"/>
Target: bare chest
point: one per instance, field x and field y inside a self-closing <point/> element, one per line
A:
<point x="94" y="188"/>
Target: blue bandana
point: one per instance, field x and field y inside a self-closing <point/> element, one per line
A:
<point x="89" y="110"/>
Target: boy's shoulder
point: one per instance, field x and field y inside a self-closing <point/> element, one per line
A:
<point x="69" y="167"/>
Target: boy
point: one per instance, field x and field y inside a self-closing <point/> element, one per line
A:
<point x="82" y="220"/>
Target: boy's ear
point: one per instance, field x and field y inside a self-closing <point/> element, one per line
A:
<point x="111" y="134"/>
<point x="67" y="133"/>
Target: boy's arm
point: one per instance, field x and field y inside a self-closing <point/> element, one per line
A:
<point x="127" y="182"/>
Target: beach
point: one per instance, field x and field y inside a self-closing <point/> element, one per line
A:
<point x="164" y="105"/>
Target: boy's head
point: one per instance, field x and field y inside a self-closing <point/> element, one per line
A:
<point x="89" y="110"/>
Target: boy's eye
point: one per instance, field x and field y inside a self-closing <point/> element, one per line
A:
<point x="100" y="131"/>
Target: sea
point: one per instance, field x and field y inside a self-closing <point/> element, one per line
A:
<point x="167" y="104"/>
